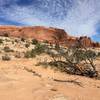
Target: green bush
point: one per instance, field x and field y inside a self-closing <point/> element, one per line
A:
<point x="39" y="48"/>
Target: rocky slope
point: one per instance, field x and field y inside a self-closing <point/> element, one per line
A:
<point x="50" y="34"/>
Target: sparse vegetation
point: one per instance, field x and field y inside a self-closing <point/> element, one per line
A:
<point x="12" y="42"/>
<point x="34" y="41"/>
<point x="1" y="41"/>
<point x="74" y="60"/>
<point x="45" y="41"/>
<point x="7" y="49"/>
<point x="30" y="54"/>
<point x="6" y="34"/>
<point x="98" y="54"/>
<point x="18" y="55"/>
<point x="23" y="39"/>
<point x="6" y="57"/>
<point x="40" y="48"/>
<point x="27" y="45"/>
<point x="16" y="40"/>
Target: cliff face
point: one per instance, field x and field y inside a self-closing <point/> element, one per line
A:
<point x="53" y="35"/>
<point x="86" y="41"/>
<point x="37" y="32"/>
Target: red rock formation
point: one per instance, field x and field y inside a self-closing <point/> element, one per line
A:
<point x="53" y="35"/>
<point x="38" y="32"/>
<point x="86" y="41"/>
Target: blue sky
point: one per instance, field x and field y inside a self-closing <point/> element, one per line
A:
<point x="77" y="17"/>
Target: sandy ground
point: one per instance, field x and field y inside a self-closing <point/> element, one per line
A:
<point x="22" y="80"/>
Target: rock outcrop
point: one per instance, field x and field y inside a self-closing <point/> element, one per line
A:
<point x="52" y="35"/>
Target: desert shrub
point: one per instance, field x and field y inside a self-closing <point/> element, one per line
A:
<point x="30" y="54"/>
<point x="45" y="41"/>
<point x="16" y="40"/>
<point x="1" y="41"/>
<point x="18" y="55"/>
<point x="40" y="48"/>
<point x="27" y="45"/>
<point x="6" y="57"/>
<point x="90" y="54"/>
<point x="98" y="54"/>
<point x="6" y="34"/>
<point x="7" y="49"/>
<point x="57" y="47"/>
<point x="34" y="41"/>
<point x="23" y="39"/>
<point x="12" y="42"/>
<point x="76" y="60"/>
<point x="77" y="54"/>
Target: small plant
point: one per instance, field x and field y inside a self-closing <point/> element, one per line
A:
<point x="12" y="42"/>
<point x="16" y="40"/>
<point x="98" y="54"/>
<point x="18" y="55"/>
<point x="23" y="39"/>
<point x="45" y="41"/>
<point x="6" y="57"/>
<point x="30" y="54"/>
<point x="1" y="41"/>
<point x="6" y="34"/>
<point x="34" y="41"/>
<point x="27" y="45"/>
<point x="39" y="48"/>
<point x="7" y="49"/>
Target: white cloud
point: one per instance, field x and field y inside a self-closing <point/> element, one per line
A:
<point x="82" y="17"/>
